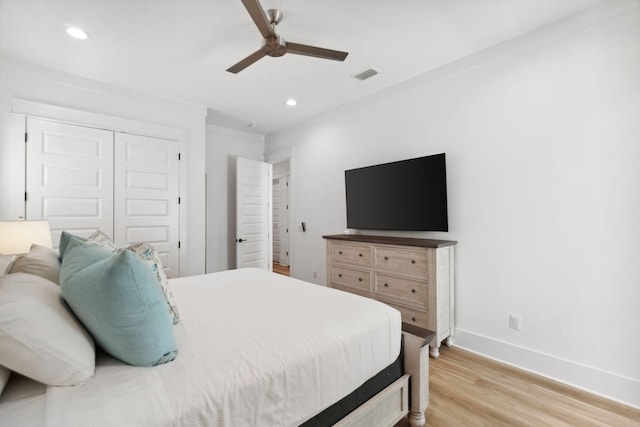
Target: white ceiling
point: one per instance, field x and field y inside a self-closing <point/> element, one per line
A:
<point x="181" y="49"/>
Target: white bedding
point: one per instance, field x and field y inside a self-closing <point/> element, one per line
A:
<point x="254" y="349"/>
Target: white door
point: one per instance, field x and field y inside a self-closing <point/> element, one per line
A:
<point x="253" y="214"/>
<point x="146" y="196"/>
<point x="280" y="202"/>
<point x="276" y="220"/>
<point x="284" y="219"/>
<point x="69" y="177"/>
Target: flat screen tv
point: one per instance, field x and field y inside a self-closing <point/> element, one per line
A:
<point x="405" y="195"/>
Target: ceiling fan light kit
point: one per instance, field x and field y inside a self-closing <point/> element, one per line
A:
<point x="272" y="44"/>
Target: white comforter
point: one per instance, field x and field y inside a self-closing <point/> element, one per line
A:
<point x="254" y="349"/>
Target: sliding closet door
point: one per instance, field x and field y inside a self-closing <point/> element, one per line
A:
<point x="146" y="191"/>
<point x="69" y="177"/>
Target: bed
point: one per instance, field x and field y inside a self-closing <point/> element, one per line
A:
<point x="254" y="349"/>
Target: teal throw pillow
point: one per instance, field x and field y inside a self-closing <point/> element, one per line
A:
<point x="118" y="299"/>
<point x="65" y="239"/>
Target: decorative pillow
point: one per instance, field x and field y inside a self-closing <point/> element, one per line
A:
<point x="65" y="238"/>
<point x="4" y="377"/>
<point x="6" y="261"/>
<point x="150" y="256"/>
<point x="39" y="337"/>
<point x="118" y="299"/>
<point x="84" y="255"/>
<point x="41" y="261"/>
<point x="101" y="239"/>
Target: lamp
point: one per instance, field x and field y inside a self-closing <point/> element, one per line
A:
<point x="16" y="237"/>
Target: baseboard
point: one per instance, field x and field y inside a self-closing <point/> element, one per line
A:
<point x="605" y="384"/>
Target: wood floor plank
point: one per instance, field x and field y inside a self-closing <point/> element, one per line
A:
<point x="467" y="389"/>
<point x="453" y="369"/>
<point x="281" y="269"/>
<point x="582" y="410"/>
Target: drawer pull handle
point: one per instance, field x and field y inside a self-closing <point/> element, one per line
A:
<point x="340" y="252"/>
<point x="413" y="291"/>
<point x="413" y="319"/>
<point x="386" y="285"/>
<point x="413" y="261"/>
<point x="339" y="274"/>
<point x="359" y="279"/>
<point x="386" y="258"/>
<point x="359" y="254"/>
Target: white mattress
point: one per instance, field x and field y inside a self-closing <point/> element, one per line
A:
<point x="254" y="349"/>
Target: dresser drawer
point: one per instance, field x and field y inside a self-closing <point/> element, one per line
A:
<point x="351" y="278"/>
<point x="351" y="254"/>
<point x="413" y="291"/>
<point x="409" y="315"/>
<point x="413" y="263"/>
<point x="351" y="290"/>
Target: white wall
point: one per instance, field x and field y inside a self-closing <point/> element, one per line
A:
<point x="223" y="147"/>
<point x="22" y="81"/>
<point x="542" y="140"/>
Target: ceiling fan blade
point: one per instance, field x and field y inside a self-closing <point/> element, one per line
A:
<point x="259" y="17"/>
<point x="318" y="52"/>
<point x="254" y="57"/>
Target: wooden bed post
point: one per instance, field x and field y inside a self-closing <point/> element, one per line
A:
<point x="416" y="363"/>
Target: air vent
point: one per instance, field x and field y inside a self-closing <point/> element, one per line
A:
<point x="366" y="74"/>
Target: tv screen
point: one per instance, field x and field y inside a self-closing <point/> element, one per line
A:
<point x="406" y="195"/>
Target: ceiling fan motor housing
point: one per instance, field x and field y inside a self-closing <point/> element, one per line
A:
<point x="274" y="46"/>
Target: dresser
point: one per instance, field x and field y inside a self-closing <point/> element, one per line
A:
<point x="412" y="275"/>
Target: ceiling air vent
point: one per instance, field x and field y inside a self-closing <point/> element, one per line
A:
<point x="366" y="74"/>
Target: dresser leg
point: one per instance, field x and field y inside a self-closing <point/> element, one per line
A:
<point x="417" y="419"/>
<point x="448" y="341"/>
<point x="434" y="352"/>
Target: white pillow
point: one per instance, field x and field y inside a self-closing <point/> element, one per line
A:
<point x="39" y="336"/>
<point x="6" y="261"/>
<point x="41" y="261"/>
<point x="4" y="377"/>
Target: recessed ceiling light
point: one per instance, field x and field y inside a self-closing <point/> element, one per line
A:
<point x="77" y="33"/>
<point x="291" y="102"/>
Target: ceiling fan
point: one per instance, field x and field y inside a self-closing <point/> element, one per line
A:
<point x="274" y="45"/>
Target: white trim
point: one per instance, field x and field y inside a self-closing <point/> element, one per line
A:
<point x="182" y="211"/>
<point x="270" y="216"/>
<point x="279" y="156"/>
<point x="14" y="206"/>
<point x="606" y="384"/>
<point x="85" y="118"/>
<point x="236" y="133"/>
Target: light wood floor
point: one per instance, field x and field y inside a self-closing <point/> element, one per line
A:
<point x="470" y="390"/>
<point x="280" y="269"/>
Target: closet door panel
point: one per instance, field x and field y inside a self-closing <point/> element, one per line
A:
<point x="146" y="189"/>
<point x="69" y="177"/>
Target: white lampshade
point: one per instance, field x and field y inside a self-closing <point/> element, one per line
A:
<point x="16" y="237"/>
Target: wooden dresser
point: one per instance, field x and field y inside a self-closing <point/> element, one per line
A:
<point x="413" y="275"/>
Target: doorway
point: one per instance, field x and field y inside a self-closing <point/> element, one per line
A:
<point x="280" y="226"/>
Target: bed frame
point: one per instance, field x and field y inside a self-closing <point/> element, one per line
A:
<point x="408" y="394"/>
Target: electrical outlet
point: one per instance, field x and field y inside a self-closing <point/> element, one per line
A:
<point x="514" y="322"/>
